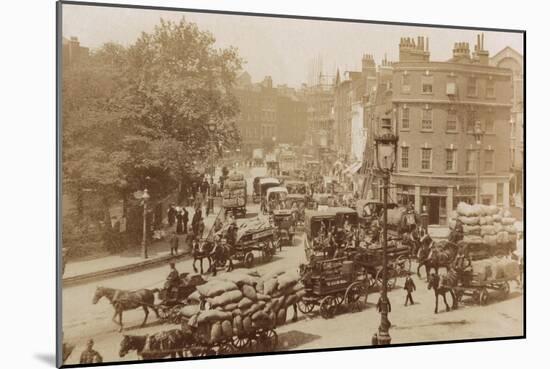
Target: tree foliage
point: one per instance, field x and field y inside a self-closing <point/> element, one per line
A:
<point x="144" y="111"/>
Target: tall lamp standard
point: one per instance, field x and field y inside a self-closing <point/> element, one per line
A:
<point x="144" y="198"/>
<point x="478" y="135"/>
<point x="386" y="154"/>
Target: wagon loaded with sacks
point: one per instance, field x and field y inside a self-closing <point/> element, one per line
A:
<point x="240" y="312"/>
<point x="488" y="230"/>
<point x="485" y="276"/>
<point x="234" y="197"/>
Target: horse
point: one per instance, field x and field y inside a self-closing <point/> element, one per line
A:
<point x="442" y="285"/>
<point x="158" y="345"/>
<point x="127" y="300"/>
<point x="220" y="255"/>
<point x="433" y="255"/>
<point x="202" y="252"/>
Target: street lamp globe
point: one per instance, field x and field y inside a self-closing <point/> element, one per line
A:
<point x="145" y="196"/>
<point x="386" y="147"/>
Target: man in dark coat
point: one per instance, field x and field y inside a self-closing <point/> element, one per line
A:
<point x="185" y="219"/>
<point x="179" y="221"/>
<point x="410" y="287"/>
<point x="171" y="215"/>
<point x="89" y="355"/>
<point x="172" y="281"/>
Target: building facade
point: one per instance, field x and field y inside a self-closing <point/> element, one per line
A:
<point x="511" y="59"/>
<point x="435" y="109"/>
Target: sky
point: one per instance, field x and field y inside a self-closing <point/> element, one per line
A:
<point x="283" y="48"/>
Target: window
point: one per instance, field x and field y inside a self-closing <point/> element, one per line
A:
<point x="427" y="84"/>
<point x="405" y="118"/>
<point x="472" y="86"/>
<point x="489" y="160"/>
<point x="470" y="161"/>
<point x="470" y="121"/>
<point x="427" y="120"/>
<point x="490" y="88"/>
<point x="500" y="194"/>
<point x="406" y="83"/>
<point x="490" y="125"/>
<point x="451" y="121"/>
<point x="426" y="159"/>
<point x="450" y="160"/>
<point x="404" y="157"/>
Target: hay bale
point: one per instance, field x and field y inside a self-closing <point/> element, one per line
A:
<point x="469" y="220"/>
<point x="472" y="229"/>
<point x="245" y="303"/>
<point x="497" y="218"/>
<point x="195" y="297"/>
<point x="490" y="240"/>
<point x="250" y="292"/>
<point x="213" y="315"/>
<point x="487" y="230"/>
<point x="508" y="221"/>
<point x="226" y="298"/>
<point x="216" y="287"/>
<point x="230" y="307"/>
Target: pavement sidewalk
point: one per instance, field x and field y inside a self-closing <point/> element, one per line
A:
<point x="130" y="260"/>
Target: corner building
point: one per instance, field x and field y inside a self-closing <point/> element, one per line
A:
<point x="435" y="108"/>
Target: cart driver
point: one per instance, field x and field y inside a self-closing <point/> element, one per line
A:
<point x="172" y="281"/>
<point x="458" y="232"/>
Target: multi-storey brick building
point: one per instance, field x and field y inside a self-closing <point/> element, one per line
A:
<point x="435" y="108"/>
<point x="348" y="93"/>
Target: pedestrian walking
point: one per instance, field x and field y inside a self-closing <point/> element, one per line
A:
<point x="89" y="355"/>
<point x="410" y="287"/>
<point x="185" y="219"/>
<point x="179" y="221"/>
<point x="174" y="244"/>
<point x="171" y="215"/>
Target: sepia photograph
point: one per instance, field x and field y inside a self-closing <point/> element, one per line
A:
<point x="240" y="184"/>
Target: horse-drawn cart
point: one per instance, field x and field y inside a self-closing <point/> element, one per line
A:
<point x="332" y="284"/>
<point x="370" y="260"/>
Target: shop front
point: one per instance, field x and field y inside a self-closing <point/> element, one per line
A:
<point x="434" y="202"/>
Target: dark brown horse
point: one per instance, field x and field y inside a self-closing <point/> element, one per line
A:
<point x="159" y="345"/>
<point x="127" y="300"/>
<point x="434" y="255"/>
<point x="442" y="285"/>
<point x="202" y="250"/>
<point x="221" y="254"/>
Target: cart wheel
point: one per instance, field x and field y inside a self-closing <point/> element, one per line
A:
<point x="249" y="259"/>
<point x="356" y="296"/>
<point x="505" y="289"/>
<point x="240" y="343"/>
<point x="269" y="340"/>
<point x="328" y="307"/>
<point x="226" y="349"/>
<point x="483" y="296"/>
<point x="339" y="297"/>
<point x="403" y="265"/>
<point x="164" y="312"/>
<point x="305" y="306"/>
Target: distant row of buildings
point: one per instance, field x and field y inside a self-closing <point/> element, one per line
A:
<point x="433" y="106"/>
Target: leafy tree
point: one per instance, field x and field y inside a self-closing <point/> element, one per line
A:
<point x="144" y="111"/>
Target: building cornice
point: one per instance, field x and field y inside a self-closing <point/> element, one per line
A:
<point x="451" y="102"/>
<point x="453" y="67"/>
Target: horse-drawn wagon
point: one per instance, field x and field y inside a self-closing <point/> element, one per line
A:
<point x="332" y="284"/>
<point x="252" y="237"/>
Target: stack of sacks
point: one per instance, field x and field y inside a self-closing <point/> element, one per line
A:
<point x="234" y="193"/>
<point x="494" y="268"/>
<point x="242" y="303"/>
<point x="484" y="224"/>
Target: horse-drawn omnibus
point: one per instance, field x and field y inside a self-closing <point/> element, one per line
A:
<point x="261" y="185"/>
<point x="284" y="223"/>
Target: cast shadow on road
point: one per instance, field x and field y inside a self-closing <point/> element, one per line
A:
<point x="46" y="358"/>
<point x="294" y="339"/>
